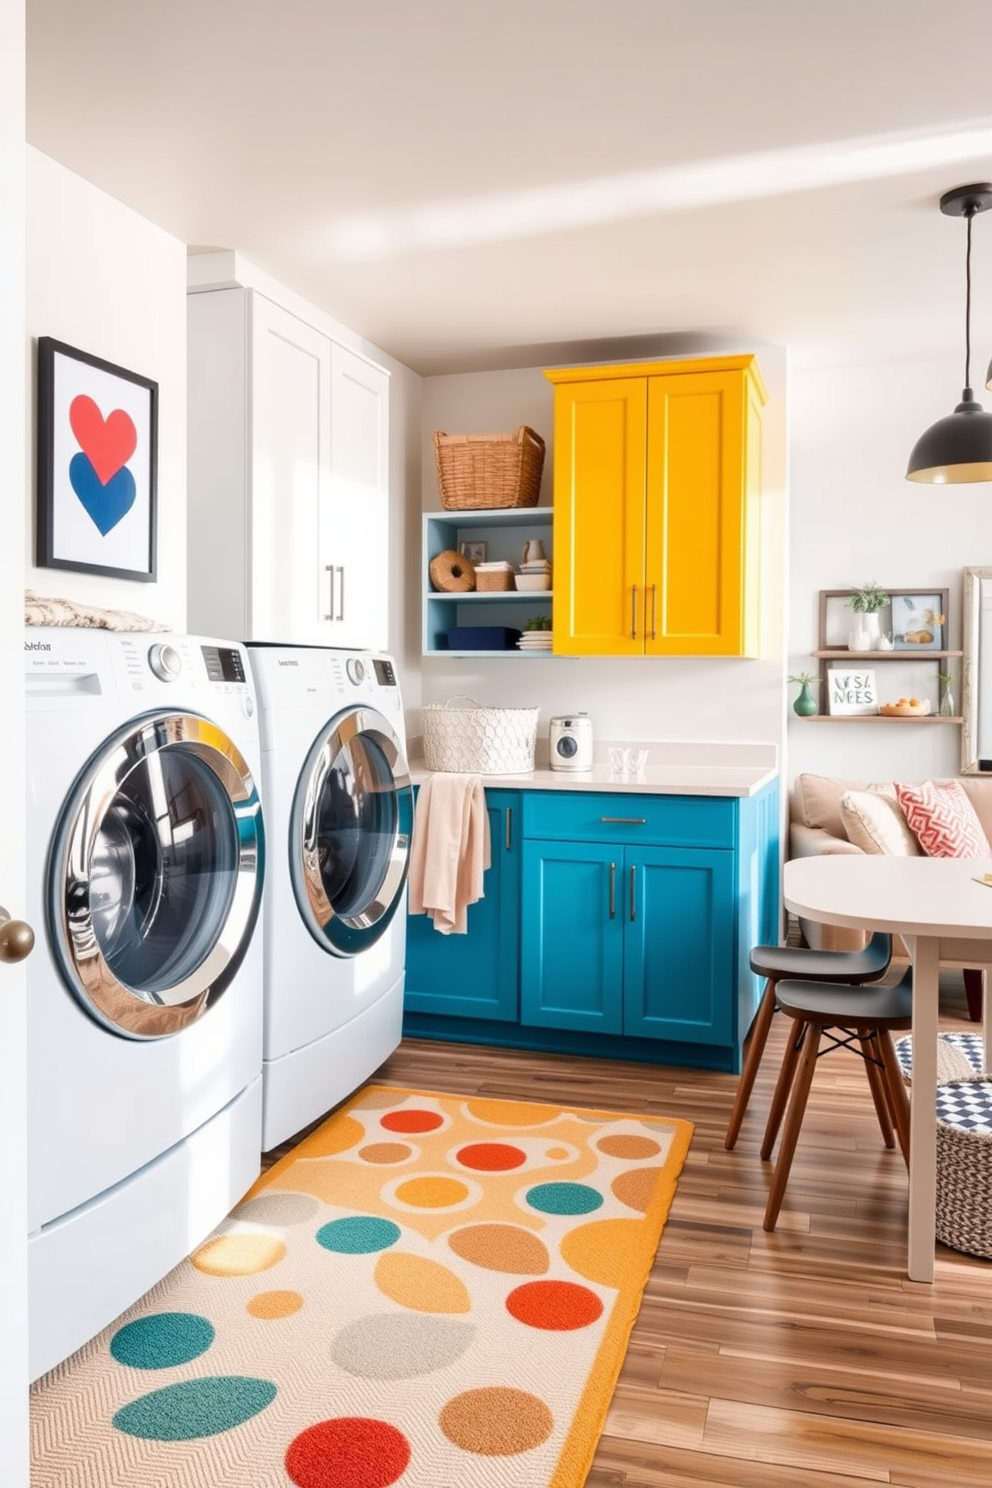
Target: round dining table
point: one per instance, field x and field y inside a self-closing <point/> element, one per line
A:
<point x="942" y="909"/>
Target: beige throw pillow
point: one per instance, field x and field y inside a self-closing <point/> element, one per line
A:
<point x="875" y="823"/>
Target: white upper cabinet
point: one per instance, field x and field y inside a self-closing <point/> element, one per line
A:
<point x="287" y="478"/>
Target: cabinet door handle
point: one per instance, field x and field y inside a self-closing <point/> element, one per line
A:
<point x="633" y="612"/>
<point x="633" y="907"/>
<point x="329" y="569"/>
<point x="628" y="821"/>
<point x="613" y="891"/>
<point x="654" y="589"/>
<point x="341" y="592"/>
<point x="509" y="827"/>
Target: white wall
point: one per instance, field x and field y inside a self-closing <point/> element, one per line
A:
<point x="855" y="517"/>
<point x="109" y="282"/>
<point x="649" y="698"/>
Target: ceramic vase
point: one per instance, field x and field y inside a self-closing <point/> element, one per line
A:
<point x="805" y="704"/>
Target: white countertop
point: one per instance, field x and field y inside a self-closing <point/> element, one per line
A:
<point x="662" y="779"/>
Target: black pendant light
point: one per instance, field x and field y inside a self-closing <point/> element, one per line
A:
<point x="958" y="448"/>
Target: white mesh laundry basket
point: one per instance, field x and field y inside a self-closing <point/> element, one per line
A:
<point x="476" y="740"/>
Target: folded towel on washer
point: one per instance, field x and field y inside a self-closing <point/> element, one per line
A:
<point x="47" y="609"/>
<point x="450" y="851"/>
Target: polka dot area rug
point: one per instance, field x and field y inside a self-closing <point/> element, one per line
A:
<point x="430" y="1291"/>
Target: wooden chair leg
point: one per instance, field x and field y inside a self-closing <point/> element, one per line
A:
<point x="780" y="1099"/>
<point x="973" y="992"/>
<point x="794" y="1120"/>
<point x="877" y="1085"/>
<point x="896" y="1088"/>
<point x="752" y="1059"/>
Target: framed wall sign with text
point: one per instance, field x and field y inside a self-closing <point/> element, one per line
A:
<point x="97" y="452"/>
<point x="851" y="690"/>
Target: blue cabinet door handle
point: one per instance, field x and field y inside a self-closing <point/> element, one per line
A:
<point x="613" y="891"/>
<point x="633" y="910"/>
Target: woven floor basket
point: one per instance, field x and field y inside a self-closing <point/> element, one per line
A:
<point x="479" y="741"/>
<point x="476" y="471"/>
<point x="964" y="1166"/>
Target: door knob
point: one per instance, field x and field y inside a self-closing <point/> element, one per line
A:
<point x="16" y="938"/>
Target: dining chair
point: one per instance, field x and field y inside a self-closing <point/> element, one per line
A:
<point x="776" y="964"/>
<point x="859" y="1018"/>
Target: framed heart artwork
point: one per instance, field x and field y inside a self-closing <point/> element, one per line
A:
<point x="97" y="450"/>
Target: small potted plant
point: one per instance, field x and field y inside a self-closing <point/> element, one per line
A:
<point x="805" y="704"/>
<point x="866" y="603"/>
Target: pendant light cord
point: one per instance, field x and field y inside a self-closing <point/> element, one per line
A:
<point x="967" y="306"/>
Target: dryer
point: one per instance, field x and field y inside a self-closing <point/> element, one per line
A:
<point x="339" y="810"/>
<point x="145" y="866"/>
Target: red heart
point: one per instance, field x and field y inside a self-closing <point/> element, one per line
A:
<point x="107" y="442"/>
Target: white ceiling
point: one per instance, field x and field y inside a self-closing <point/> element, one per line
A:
<point x="478" y="185"/>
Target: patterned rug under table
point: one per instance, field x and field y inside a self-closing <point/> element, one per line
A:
<point x="432" y="1291"/>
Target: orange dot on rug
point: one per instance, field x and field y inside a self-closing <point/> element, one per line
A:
<point x="628" y="1144"/>
<point x="496" y="1421"/>
<point x="348" y="1452"/>
<point x="411" y="1121"/>
<point x="385" y="1152"/>
<point x="557" y="1306"/>
<point x="491" y="1157"/>
<point x="274" y="1304"/>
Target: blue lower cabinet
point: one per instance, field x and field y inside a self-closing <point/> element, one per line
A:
<point x="678" y="965"/>
<point x="612" y="924"/>
<point x="633" y="941"/>
<point x="475" y="975"/>
<point x="571" y="937"/>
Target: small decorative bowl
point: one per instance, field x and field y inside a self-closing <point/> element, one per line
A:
<point x="533" y="581"/>
<point x="905" y="710"/>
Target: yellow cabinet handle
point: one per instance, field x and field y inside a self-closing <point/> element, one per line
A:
<point x="633" y="613"/>
<point x="654" y="589"/>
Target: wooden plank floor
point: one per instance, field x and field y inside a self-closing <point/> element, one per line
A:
<point x="799" y="1358"/>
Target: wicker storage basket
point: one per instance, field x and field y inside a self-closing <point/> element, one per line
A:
<point x="964" y="1165"/>
<point x="477" y="740"/>
<point x="476" y="471"/>
<point x="498" y="578"/>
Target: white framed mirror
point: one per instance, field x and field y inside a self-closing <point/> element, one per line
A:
<point x="976" y="673"/>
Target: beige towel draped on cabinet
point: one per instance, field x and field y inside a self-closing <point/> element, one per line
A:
<point x="450" y="851"/>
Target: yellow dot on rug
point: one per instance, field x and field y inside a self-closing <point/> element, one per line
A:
<point x="275" y="1304"/>
<point x="336" y="1135"/>
<point x="627" y="1144"/>
<point x="600" y="1251"/>
<point x="432" y="1193"/>
<point x="238" y="1255"/>
<point x="511" y="1113"/>
<point x="496" y="1421"/>
<point x="421" y="1284"/>
<point x="557" y="1153"/>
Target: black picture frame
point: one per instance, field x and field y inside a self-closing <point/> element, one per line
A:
<point x="97" y="499"/>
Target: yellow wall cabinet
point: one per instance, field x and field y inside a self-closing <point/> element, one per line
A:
<point x="657" y="485"/>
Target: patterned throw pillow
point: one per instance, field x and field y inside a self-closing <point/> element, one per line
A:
<point x="944" y="820"/>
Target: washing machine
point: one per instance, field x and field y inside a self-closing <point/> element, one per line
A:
<point x="145" y="868"/>
<point x="339" y="813"/>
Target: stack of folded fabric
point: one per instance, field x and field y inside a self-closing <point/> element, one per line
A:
<point x="498" y="565"/>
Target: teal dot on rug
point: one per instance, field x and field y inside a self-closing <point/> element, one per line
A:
<point x="202" y="1407"/>
<point x="162" y="1340"/>
<point x="564" y="1198"/>
<point x="359" y="1234"/>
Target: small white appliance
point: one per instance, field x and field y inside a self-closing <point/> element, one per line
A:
<point x="339" y="813"/>
<point x="570" y="742"/>
<point x="144" y="1053"/>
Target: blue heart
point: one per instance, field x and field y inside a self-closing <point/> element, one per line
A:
<point x="106" y="505"/>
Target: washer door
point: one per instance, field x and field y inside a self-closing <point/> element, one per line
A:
<point x="155" y="875"/>
<point x="349" y="847"/>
